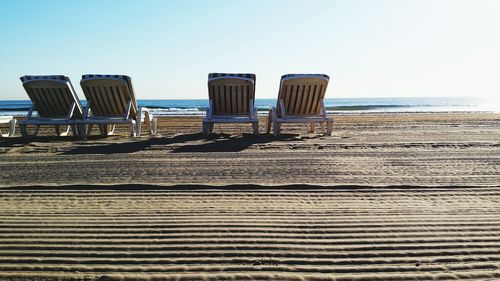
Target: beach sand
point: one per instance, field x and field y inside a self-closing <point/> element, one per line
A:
<point x="387" y="197"/>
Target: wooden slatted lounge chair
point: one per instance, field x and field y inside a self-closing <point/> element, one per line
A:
<point x="231" y="100"/>
<point x="110" y="101"/>
<point x="12" y="126"/>
<point x="56" y="102"/>
<point x="300" y="100"/>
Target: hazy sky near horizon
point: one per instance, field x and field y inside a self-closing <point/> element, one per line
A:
<point x="370" y="48"/>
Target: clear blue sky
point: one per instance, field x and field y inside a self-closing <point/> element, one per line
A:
<point x="370" y="48"/>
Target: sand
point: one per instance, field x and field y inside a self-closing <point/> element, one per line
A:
<point x="387" y="197"/>
<point x="368" y="150"/>
<point x="141" y="233"/>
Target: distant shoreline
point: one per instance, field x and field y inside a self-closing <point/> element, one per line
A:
<point x="197" y="107"/>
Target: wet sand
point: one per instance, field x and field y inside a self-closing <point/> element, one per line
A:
<point x="387" y="197"/>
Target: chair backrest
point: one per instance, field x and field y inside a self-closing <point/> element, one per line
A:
<point x="231" y="93"/>
<point x="109" y="95"/>
<point x="302" y="94"/>
<point x="53" y="95"/>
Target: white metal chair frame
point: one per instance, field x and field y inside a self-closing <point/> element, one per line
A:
<point x="321" y="118"/>
<point x="12" y="126"/>
<point x="107" y="124"/>
<point x="312" y="119"/>
<point x="57" y="122"/>
<point x="211" y="118"/>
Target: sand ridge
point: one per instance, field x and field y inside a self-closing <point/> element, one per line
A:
<point x="232" y="234"/>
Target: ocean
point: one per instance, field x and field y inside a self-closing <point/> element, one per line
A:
<point x="333" y="105"/>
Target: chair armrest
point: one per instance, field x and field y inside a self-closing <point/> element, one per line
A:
<point x="143" y="109"/>
<point x="146" y="111"/>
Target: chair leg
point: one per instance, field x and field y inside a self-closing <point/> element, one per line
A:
<point x="10" y="132"/>
<point x="111" y="129"/>
<point x="103" y="129"/>
<point x="206" y="129"/>
<point x="83" y="130"/>
<point x="269" y="122"/>
<point x="12" y="127"/>
<point x="151" y="122"/>
<point x="133" y="129"/>
<point x="74" y="131"/>
<point x="88" y="129"/>
<point x="153" y="126"/>
<point x="322" y="124"/>
<point x="24" y="131"/>
<point x="107" y="129"/>
<point x="329" y="127"/>
<point x="276" y="128"/>
<point x="312" y="127"/>
<point x="138" y="126"/>
<point x="276" y="124"/>
<point x="255" y="126"/>
<point x="64" y="133"/>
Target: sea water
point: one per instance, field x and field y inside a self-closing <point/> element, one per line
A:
<point x="333" y="105"/>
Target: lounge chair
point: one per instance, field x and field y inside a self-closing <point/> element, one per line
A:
<point x="12" y="126"/>
<point x="110" y="101"/>
<point x="300" y="100"/>
<point x="56" y="102"/>
<point x="231" y="100"/>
